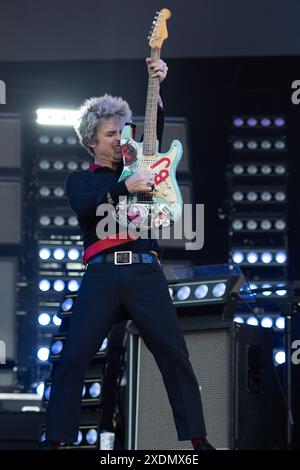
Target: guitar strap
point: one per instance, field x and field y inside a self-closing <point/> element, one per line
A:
<point x="133" y="127"/>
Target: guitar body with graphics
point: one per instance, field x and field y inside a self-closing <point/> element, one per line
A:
<point x="162" y="206"/>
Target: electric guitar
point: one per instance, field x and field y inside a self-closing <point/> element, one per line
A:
<point x="162" y="206"/>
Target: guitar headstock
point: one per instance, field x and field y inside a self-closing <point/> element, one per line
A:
<point x="159" y="31"/>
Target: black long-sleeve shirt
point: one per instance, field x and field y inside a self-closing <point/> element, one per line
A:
<point x="87" y="189"/>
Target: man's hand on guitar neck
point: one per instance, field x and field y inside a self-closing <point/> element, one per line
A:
<point x="158" y="70"/>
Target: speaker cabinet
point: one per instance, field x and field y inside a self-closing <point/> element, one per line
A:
<point x="20" y="430"/>
<point x="10" y="212"/>
<point x="10" y="141"/>
<point x="234" y="368"/>
<point x="8" y="330"/>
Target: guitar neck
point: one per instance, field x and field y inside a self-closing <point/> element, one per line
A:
<point x="149" y="143"/>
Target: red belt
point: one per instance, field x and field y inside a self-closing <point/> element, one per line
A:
<point x="101" y="245"/>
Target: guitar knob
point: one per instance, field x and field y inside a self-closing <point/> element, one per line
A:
<point x="165" y="193"/>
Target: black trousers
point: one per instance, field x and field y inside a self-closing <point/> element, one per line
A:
<point x="113" y="374"/>
<point x="142" y="290"/>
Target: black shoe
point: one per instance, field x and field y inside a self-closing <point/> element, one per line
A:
<point x="204" y="445"/>
<point x="48" y="445"/>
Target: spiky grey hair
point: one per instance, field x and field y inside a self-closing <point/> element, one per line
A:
<point x="95" y="110"/>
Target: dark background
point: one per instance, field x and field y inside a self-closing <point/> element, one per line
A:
<point x="117" y="29"/>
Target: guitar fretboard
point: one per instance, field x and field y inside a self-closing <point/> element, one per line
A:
<point x="149" y="143"/>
